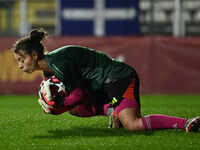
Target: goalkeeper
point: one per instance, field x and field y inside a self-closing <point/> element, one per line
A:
<point x="81" y="67"/>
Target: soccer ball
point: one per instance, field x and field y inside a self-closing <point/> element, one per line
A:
<point x="57" y="89"/>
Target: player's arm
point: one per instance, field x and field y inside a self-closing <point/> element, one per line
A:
<point x="59" y="105"/>
<point x="76" y="97"/>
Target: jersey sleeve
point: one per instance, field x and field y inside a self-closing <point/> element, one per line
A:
<point x="77" y="97"/>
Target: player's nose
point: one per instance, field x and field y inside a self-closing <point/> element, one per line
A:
<point x="20" y="66"/>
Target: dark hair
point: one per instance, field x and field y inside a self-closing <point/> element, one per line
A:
<point x="31" y="43"/>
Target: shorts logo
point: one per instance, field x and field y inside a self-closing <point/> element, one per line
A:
<point x="114" y="100"/>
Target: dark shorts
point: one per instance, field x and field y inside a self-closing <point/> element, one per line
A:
<point x="124" y="93"/>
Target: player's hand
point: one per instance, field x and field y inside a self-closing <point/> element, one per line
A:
<point x="46" y="108"/>
<point x="50" y="109"/>
<point x="56" y="101"/>
<point x="45" y="94"/>
<point x="45" y="91"/>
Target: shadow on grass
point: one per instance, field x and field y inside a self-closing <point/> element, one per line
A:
<point x="90" y="132"/>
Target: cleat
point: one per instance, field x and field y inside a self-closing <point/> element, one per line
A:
<point x="192" y="125"/>
<point x="110" y="111"/>
<point x="114" y="121"/>
<point x="109" y="114"/>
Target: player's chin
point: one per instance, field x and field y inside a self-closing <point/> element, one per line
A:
<point x="28" y="71"/>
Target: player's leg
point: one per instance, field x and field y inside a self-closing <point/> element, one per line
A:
<point x="156" y="122"/>
<point x="129" y="115"/>
<point x="130" y="119"/>
<point x="125" y="97"/>
<point x="128" y="111"/>
<point x="73" y="112"/>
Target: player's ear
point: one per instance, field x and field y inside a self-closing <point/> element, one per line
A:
<point x="34" y="55"/>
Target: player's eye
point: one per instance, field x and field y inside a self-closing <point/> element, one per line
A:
<point x="21" y="60"/>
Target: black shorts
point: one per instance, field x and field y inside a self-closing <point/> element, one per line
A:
<point x="123" y="88"/>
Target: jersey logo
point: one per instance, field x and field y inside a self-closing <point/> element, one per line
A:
<point x="114" y="100"/>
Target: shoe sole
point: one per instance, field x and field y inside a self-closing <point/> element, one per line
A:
<point x="192" y="123"/>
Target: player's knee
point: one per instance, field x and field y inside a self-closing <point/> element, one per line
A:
<point x="73" y="112"/>
<point x="133" y="125"/>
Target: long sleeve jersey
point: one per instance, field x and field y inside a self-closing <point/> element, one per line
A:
<point x="79" y="66"/>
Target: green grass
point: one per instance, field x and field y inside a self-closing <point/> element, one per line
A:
<point x="23" y="126"/>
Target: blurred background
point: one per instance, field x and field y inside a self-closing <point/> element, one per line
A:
<point x="159" y="38"/>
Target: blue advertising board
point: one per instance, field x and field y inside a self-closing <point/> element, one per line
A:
<point x="99" y="17"/>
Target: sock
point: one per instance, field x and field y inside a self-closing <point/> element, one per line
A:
<point x="162" y="122"/>
<point x="105" y="108"/>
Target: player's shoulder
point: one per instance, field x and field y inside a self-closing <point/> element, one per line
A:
<point x="68" y="49"/>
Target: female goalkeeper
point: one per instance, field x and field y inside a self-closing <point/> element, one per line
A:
<point x="83" y="68"/>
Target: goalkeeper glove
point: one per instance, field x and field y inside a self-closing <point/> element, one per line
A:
<point x="52" y="100"/>
<point x="45" y="91"/>
<point x="56" y="101"/>
<point x="50" y="109"/>
<point x="46" y="108"/>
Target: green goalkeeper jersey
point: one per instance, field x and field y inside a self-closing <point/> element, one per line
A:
<point x="80" y="66"/>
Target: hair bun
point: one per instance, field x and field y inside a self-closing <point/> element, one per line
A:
<point x="37" y="35"/>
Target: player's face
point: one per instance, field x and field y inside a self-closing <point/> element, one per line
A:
<point x="26" y="62"/>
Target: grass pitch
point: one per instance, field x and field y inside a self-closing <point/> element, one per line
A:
<point x="23" y="126"/>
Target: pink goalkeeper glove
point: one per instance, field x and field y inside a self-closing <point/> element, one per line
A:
<point x="50" y="109"/>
